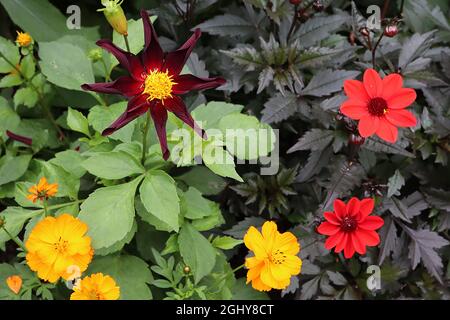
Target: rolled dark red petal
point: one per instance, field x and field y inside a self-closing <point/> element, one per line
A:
<point x="18" y="137"/>
<point x="177" y="107"/>
<point x="175" y="60"/>
<point x="126" y="86"/>
<point x="136" y="107"/>
<point x="153" y="55"/>
<point x="189" y="82"/>
<point x="128" y="60"/>
<point x="159" y="116"/>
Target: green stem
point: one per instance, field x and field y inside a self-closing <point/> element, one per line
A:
<point x="15" y="239"/>
<point x="107" y="76"/>
<point x="238" y="268"/>
<point x="144" y="138"/>
<point x="99" y="99"/>
<point x="44" y="203"/>
<point x="127" y="44"/>
<point x="374" y="50"/>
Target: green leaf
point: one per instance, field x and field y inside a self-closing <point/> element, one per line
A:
<point x="77" y="121"/>
<point x="10" y="80"/>
<point x="159" y="195"/>
<point x="42" y="20"/>
<point x="70" y="160"/>
<point x="15" y="218"/>
<point x="101" y="117"/>
<point x="226" y="242"/>
<point x="395" y="183"/>
<point x="119" y="244"/>
<point x="210" y="114"/>
<point x="378" y="145"/>
<point x="28" y="66"/>
<point x="68" y="184"/>
<point x="65" y="65"/>
<point x="194" y="206"/>
<point x="203" y="180"/>
<point x="109" y="213"/>
<point x="197" y="251"/>
<point x="12" y="168"/>
<point x="228" y="25"/>
<point x="130" y="273"/>
<point x="315" y="139"/>
<point x="8" y="117"/>
<point x="26" y="96"/>
<point x="327" y="81"/>
<point x="280" y="107"/>
<point x="219" y="161"/>
<point x="112" y="165"/>
<point x="11" y="52"/>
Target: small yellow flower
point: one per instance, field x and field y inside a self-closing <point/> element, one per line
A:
<point x="96" y="287"/>
<point x="14" y="283"/>
<point x="42" y="191"/>
<point x="275" y="258"/>
<point x="56" y="245"/>
<point x="23" y="39"/>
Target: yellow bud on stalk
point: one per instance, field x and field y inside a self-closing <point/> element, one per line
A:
<point x="114" y="14"/>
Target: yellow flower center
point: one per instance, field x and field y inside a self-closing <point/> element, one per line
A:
<point x="277" y="257"/>
<point x="60" y="246"/>
<point x="95" y="295"/>
<point x="23" y="39"/>
<point x="158" y="85"/>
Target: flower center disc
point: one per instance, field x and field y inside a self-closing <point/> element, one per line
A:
<point x="60" y="246"/>
<point x="377" y="107"/>
<point x="348" y="224"/>
<point x="158" y="85"/>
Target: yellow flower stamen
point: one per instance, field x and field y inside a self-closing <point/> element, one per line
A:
<point x="158" y="85"/>
<point x="23" y="39"/>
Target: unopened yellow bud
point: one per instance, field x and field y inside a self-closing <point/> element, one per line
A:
<point x="114" y="14"/>
<point x="23" y="39"/>
<point x="95" y="55"/>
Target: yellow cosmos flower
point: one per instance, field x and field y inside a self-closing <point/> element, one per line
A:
<point x="275" y="257"/>
<point x="14" y="283"/>
<point x="57" y="245"/>
<point x="42" y="191"/>
<point x="23" y="39"/>
<point x="96" y="287"/>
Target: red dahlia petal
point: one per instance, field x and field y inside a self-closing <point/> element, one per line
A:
<point x="369" y="237"/>
<point x="332" y="218"/>
<point x="367" y="126"/>
<point x="340" y="208"/>
<point x="353" y="206"/>
<point x="373" y="83"/>
<point x="354" y="109"/>
<point x="387" y="131"/>
<point x="391" y="85"/>
<point x="125" y="86"/>
<point x="152" y="55"/>
<point x="401" y="118"/>
<point x="188" y="82"/>
<point x="159" y="116"/>
<point x="328" y="229"/>
<point x="341" y="244"/>
<point x="402" y="98"/>
<point x="18" y="137"/>
<point x="136" y="107"/>
<point x="366" y="208"/>
<point x="177" y="107"/>
<point x="128" y="60"/>
<point x="175" y="60"/>
<point x="349" y="249"/>
<point x="333" y="240"/>
<point x="371" y="223"/>
<point x="358" y="244"/>
<point x="355" y="90"/>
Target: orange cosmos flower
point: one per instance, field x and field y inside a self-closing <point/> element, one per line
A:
<point x="14" y="283"/>
<point x="42" y="191"/>
<point x="57" y="245"/>
<point x="23" y="39"/>
<point x="96" y="287"/>
<point x="379" y="105"/>
<point x="275" y="258"/>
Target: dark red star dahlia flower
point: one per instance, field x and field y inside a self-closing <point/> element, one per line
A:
<point x="154" y="83"/>
<point x="350" y="227"/>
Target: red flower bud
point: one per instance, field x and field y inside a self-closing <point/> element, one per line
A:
<point x="356" y="139"/>
<point x="391" y="30"/>
<point x="295" y="2"/>
<point x="318" y="5"/>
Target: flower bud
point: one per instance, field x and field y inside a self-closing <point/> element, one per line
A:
<point x="318" y="5"/>
<point x="114" y="14"/>
<point x="295" y="2"/>
<point x="186" y="269"/>
<point x="302" y="15"/>
<point x="95" y="55"/>
<point x="364" y="31"/>
<point x="391" y="30"/>
<point x="356" y="139"/>
<point x="23" y="39"/>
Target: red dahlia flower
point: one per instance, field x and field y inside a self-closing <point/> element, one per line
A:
<point x="379" y="104"/>
<point x="154" y="83"/>
<point x="350" y="228"/>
